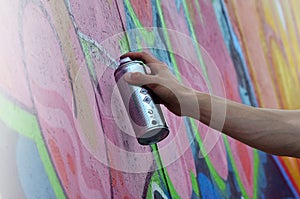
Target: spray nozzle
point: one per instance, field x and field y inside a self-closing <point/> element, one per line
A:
<point x="124" y="60"/>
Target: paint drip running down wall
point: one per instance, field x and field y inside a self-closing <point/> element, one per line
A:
<point x="64" y="132"/>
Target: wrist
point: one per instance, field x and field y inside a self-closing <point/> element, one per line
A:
<point x="188" y="101"/>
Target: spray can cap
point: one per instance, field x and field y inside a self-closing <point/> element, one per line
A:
<point x="124" y="60"/>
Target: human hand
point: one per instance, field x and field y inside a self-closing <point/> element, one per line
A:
<point x="166" y="88"/>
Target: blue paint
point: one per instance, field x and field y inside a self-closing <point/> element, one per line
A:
<point x="163" y="187"/>
<point x="191" y="135"/>
<point x="178" y="4"/>
<point x="286" y="177"/>
<point x="194" y="195"/>
<point x="234" y="182"/>
<point x="207" y="189"/>
<point x="206" y="184"/>
<point x="262" y="179"/>
<point x="246" y="90"/>
<point x="32" y="174"/>
<point x="244" y="95"/>
<point x="159" y="47"/>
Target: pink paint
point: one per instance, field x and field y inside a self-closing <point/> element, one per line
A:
<point x="53" y="100"/>
<point x="13" y="80"/>
<point x="211" y="139"/>
<point x="189" y="67"/>
<point x="228" y="82"/>
<point x="243" y="160"/>
<point x="91" y="17"/>
<point x="92" y="148"/>
<point x="117" y="137"/>
<point x="143" y="11"/>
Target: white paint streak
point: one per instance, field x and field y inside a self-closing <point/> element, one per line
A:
<point x="103" y="55"/>
<point x="155" y="187"/>
<point x="280" y="12"/>
<point x="112" y="63"/>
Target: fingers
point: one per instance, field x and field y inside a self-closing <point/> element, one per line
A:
<point x="140" y="79"/>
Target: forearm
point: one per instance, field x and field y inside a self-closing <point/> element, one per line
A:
<point x="270" y="130"/>
<point x="273" y="131"/>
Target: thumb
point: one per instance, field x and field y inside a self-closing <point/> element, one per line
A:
<point x="138" y="78"/>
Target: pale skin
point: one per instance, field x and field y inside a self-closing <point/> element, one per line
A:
<point x="274" y="131"/>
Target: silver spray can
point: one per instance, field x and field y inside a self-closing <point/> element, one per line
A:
<point x="146" y="117"/>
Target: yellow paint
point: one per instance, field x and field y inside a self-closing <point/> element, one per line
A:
<point x="281" y="50"/>
<point x="282" y="47"/>
<point x="293" y="168"/>
<point x="254" y="51"/>
<point x="63" y="24"/>
<point x="269" y="37"/>
<point x="280" y="77"/>
<point x="292" y="49"/>
<point x="278" y="33"/>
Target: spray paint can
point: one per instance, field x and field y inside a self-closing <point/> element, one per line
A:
<point x="146" y="117"/>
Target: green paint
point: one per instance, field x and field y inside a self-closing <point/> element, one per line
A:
<point x="196" y="44"/>
<point x="148" y="36"/>
<point x="219" y="181"/>
<point x="199" y="12"/>
<point x="216" y="177"/>
<point x="256" y="167"/>
<point x="156" y="178"/>
<point x="135" y="19"/>
<point x="44" y="155"/>
<point x="163" y="172"/>
<point x="123" y="44"/>
<point x="194" y="183"/>
<point x="237" y="176"/>
<point x="139" y="44"/>
<point x="18" y="119"/>
<point x="168" y="42"/>
<point x="86" y="50"/>
<point x="26" y="124"/>
<point x="221" y="184"/>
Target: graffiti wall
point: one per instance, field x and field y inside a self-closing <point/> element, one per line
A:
<point x="64" y="132"/>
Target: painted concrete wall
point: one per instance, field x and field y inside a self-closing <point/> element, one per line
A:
<point x="64" y="133"/>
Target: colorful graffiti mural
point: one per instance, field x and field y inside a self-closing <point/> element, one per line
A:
<point x="64" y="133"/>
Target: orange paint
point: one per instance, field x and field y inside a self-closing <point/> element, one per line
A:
<point x="71" y="164"/>
<point x="243" y="153"/>
<point x="58" y="161"/>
